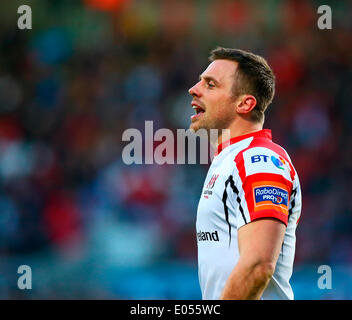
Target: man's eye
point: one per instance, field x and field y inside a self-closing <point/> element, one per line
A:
<point x="211" y="85"/>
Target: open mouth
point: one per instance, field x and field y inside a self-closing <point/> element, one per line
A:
<point x="198" y="111"/>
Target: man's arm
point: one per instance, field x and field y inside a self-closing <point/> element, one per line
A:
<point x="259" y="245"/>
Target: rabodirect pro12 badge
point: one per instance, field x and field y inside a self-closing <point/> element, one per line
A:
<point x="270" y="195"/>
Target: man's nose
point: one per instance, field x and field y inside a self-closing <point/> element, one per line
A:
<point x="194" y="91"/>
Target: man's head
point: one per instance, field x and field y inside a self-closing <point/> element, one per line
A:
<point x="235" y="84"/>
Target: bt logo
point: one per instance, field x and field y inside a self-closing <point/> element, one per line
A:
<point x="259" y="157"/>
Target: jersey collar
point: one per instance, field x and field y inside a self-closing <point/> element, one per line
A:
<point x="264" y="133"/>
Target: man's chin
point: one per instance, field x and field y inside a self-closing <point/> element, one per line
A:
<point x="198" y="128"/>
<point x="194" y="127"/>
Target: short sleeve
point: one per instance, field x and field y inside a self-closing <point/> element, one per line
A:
<point x="266" y="184"/>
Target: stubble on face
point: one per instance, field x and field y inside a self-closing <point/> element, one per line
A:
<point x="219" y="103"/>
<point x="216" y="119"/>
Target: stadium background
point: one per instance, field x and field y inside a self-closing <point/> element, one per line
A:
<point x="91" y="227"/>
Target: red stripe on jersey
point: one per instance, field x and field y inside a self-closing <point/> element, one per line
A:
<point x="298" y="220"/>
<point x="257" y="177"/>
<point x="247" y="182"/>
<point x="267" y="143"/>
<point x="270" y="179"/>
<point x="264" y="133"/>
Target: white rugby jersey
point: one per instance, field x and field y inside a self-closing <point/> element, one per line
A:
<point x="250" y="177"/>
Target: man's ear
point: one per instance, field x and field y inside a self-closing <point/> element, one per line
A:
<point x="245" y="104"/>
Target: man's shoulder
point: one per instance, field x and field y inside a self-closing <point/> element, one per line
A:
<point x="265" y="146"/>
<point x="264" y="156"/>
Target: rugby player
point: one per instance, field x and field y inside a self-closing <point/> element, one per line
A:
<point x="251" y="198"/>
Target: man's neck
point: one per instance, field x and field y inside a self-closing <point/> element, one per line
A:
<point x="239" y="128"/>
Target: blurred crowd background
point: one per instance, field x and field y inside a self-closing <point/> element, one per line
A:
<point x="92" y="227"/>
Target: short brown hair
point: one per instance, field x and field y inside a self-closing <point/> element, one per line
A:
<point x="254" y="76"/>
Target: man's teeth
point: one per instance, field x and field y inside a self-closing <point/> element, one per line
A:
<point x="197" y="109"/>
